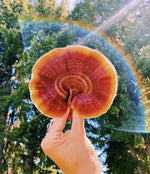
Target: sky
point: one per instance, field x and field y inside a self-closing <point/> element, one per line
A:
<point x="71" y="3"/>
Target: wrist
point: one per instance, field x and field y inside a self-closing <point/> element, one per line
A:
<point x="90" y="169"/>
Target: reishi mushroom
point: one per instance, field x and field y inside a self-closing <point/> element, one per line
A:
<point x="75" y="77"/>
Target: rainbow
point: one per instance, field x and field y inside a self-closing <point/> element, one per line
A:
<point x="126" y="60"/>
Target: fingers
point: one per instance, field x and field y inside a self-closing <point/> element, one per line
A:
<point x="77" y="124"/>
<point x="59" y="123"/>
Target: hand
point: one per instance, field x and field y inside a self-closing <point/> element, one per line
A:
<point x="71" y="151"/>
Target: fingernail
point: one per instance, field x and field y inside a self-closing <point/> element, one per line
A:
<point x="50" y="124"/>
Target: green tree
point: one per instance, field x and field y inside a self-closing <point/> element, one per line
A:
<point x="51" y="10"/>
<point x="23" y="127"/>
<point x="18" y="150"/>
<point x="131" y="32"/>
<point x="95" y="12"/>
<point x="24" y="141"/>
<point x="10" y="51"/>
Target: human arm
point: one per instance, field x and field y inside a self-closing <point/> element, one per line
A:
<point x="71" y="151"/>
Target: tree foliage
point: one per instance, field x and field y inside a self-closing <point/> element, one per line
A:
<point x="22" y="127"/>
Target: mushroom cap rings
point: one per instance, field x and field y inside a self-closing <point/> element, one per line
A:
<point x="77" y="77"/>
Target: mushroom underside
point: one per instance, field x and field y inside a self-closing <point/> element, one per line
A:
<point x="76" y="77"/>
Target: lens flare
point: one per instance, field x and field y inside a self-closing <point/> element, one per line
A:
<point x="120" y="15"/>
<point x="141" y="89"/>
<point x="40" y="36"/>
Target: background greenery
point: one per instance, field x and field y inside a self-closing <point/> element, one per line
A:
<point x="22" y="127"/>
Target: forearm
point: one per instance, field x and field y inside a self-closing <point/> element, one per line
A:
<point x="95" y="169"/>
<point x="82" y="166"/>
<point x="90" y="166"/>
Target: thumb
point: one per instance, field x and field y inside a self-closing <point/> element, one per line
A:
<point x="59" y="123"/>
<point x="77" y="124"/>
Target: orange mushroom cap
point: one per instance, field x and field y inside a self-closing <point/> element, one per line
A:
<point x="77" y="77"/>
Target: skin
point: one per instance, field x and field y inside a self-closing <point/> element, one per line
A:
<point x="71" y="151"/>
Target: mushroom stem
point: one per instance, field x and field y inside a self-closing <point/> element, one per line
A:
<point x="70" y="97"/>
<point x="70" y="104"/>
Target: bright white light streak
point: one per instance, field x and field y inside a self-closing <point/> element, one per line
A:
<point x="114" y="19"/>
<point x="119" y="15"/>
